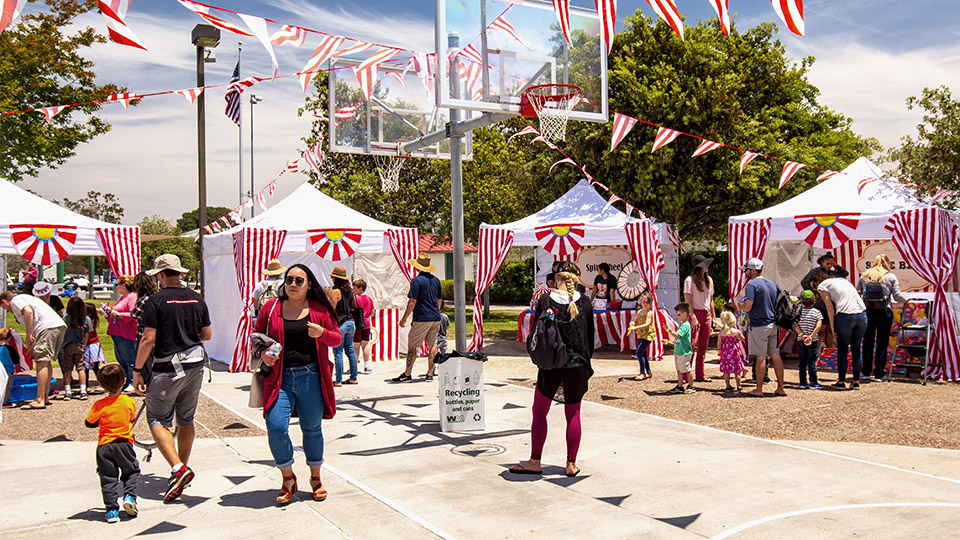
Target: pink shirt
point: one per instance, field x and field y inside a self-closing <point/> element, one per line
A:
<point x="123" y="326"/>
<point x="701" y="299"/>
<point x="366" y="304"/>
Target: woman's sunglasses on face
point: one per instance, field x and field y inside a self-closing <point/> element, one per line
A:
<point x="291" y="280"/>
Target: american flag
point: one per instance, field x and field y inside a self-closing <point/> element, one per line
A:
<point x="233" y="97"/>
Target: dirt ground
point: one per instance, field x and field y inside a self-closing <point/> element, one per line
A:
<point x="901" y="412"/>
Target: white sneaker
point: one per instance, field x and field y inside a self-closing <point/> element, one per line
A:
<point x="129" y="389"/>
<point x="367" y="370"/>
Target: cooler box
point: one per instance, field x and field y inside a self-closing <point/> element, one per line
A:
<point x="461" y="391"/>
<point x="25" y="388"/>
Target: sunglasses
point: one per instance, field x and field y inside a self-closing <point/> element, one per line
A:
<point x="291" y="280"/>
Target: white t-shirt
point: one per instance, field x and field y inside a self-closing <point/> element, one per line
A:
<point x="699" y="299"/>
<point x="43" y="315"/>
<point x="845" y="297"/>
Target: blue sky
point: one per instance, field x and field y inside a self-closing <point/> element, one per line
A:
<point x="871" y="55"/>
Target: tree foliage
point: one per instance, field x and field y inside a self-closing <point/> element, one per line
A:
<point x="42" y="65"/>
<point x="932" y="159"/>
<point x="190" y="220"/>
<point x="185" y="248"/>
<point x="102" y="206"/>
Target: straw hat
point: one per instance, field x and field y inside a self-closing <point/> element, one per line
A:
<point x="339" y="272"/>
<point x="167" y="261"/>
<point x="274" y="268"/>
<point x="422" y="263"/>
<point x="42" y="288"/>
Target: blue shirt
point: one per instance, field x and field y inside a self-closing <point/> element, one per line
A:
<point x="6" y="358"/>
<point x="763" y="293"/>
<point x="425" y="289"/>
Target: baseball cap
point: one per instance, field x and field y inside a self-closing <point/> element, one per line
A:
<point x="41" y="288"/>
<point x="753" y="264"/>
<point x="807" y="296"/>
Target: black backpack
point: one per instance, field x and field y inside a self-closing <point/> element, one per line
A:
<point x="544" y="344"/>
<point x="788" y="310"/>
<point x="875" y="296"/>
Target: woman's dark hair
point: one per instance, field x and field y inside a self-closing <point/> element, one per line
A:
<point x="604" y="266"/>
<point x="700" y="278"/>
<point x="314" y="292"/>
<point x="826" y="257"/>
<point x="343" y="285"/>
<point x="818" y="277"/>
<point x="144" y="285"/>
<point x="92" y="313"/>
<point x="77" y="311"/>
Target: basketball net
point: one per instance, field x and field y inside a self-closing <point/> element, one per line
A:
<point x="388" y="168"/>
<point x="552" y="104"/>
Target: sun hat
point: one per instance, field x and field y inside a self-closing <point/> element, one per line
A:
<point x="753" y="264"/>
<point x="274" y="268"/>
<point x="701" y="260"/>
<point x="422" y="263"/>
<point x="41" y="288"/>
<point x="339" y="272"/>
<point x="807" y="296"/>
<point x="167" y="261"/>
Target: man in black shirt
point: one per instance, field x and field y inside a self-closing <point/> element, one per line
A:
<point x="176" y="323"/>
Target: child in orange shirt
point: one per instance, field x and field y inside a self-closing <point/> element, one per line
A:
<point x="116" y="459"/>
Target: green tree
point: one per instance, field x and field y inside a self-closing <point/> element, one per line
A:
<point x="42" y="65"/>
<point x="185" y="248"/>
<point x="105" y="207"/>
<point x="932" y="159"/>
<point x="156" y="225"/>
<point x="191" y="220"/>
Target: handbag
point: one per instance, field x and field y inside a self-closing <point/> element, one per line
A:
<point x="357" y="312"/>
<point x="255" y="398"/>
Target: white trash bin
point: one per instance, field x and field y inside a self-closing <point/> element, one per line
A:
<point x="461" y="394"/>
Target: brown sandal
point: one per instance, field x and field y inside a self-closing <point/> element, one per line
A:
<point x="319" y="493"/>
<point x="286" y="495"/>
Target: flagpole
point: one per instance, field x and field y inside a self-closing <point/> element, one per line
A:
<point x="240" y="136"/>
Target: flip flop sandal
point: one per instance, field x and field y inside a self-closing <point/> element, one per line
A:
<point x="32" y="406"/>
<point x="518" y="469"/>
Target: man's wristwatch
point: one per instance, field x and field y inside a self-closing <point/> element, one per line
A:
<point x="137" y="369"/>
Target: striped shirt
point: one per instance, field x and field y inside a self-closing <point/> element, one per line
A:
<point x="809" y="317"/>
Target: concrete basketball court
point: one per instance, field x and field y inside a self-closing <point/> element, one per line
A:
<point x="392" y="473"/>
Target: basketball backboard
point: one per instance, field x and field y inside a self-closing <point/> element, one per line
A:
<point x="400" y="109"/>
<point x="503" y="47"/>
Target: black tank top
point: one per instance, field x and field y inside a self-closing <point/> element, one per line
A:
<point x="299" y="349"/>
<point x="345" y="307"/>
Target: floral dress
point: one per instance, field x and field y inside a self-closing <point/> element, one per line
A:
<point x="731" y="354"/>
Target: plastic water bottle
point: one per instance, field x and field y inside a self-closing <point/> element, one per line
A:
<point x="275" y="349"/>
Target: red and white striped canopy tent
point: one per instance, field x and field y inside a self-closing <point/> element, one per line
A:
<point x="46" y="233"/>
<point x="580" y="217"/>
<point x="306" y="227"/>
<point x="845" y="214"/>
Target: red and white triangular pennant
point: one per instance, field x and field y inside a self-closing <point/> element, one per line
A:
<point x="607" y="11"/>
<point x="289" y="35"/>
<point x="746" y="158"/>
<point x="789" y="170"/>
<point x="564" y="160"/>
<point x="826" y="175"/>
<point x="259" y="28"/>
<point x="124" y="98"/>
<point x="50" y="112"/>
<point x="706" y="146"/>
<point x="664" y="136"/>
<point x="501" y="24"/>
<point x="723" y="13"/>
<point x="622" y="124"/>
<point x="261" y="200"/>
<point x="613" y="198"/>
<point x="562" y="9"/>
<point x="204" y="11"/>
<point x="190" y="94"/>
<point x="321" y="54"/>
<point x="667" y="10"/>
<point x="941" y="193"/>
<point x="359" y="46"/>
<point x="529" y="130"/>
<point x="864" y="182"/>
<point x="114" y="12"/>
<point x="791" y="12"/>
<point x="11" y="11"/>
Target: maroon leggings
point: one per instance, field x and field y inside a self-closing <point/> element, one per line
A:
<point x="538" y="431"/>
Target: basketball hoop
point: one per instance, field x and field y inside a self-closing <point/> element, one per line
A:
<point x="388" y="168"/>
<point x="551" y="103"/>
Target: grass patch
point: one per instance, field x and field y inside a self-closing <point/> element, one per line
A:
<point x="105" y="341"/>
<point x="499" y="325"/>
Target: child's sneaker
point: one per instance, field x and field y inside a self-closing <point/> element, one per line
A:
<point x="67" y="396"/>
<point x="130" y="505"/>
<point x="689" y="389"/>
<point x="367" y="370"/>
<point x="815" y="386"/>
<point x="804" y="387"/>
<point x="113" y="516"/>
<point x="676" y="390"/>
<point x="83" y="396"/>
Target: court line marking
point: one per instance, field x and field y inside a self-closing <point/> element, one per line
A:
<point x="769" y="441"/>
<point x="761" y="521"/>
<point x="349" y="479"/>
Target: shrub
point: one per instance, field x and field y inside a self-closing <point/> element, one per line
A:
<point x="718" y="271"/>
<point x="514" y="283"/>
<point x="446" y="286"/>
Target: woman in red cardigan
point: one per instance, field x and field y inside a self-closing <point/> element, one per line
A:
<point x="303" y="321"/>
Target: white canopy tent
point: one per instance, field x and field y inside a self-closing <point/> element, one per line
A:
<point x="855" y="214"/>
<point x="580" y="217"/>
<point x="295" y="230"/>
<point x="46" y="233"/>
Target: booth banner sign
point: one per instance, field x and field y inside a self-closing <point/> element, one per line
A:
<point x="864" y="251"/>
<point x="589" y="259"/>
<point x="827" y="231"/>
<point x="461" y="395"/>
<point x="560" y="239"/>
<point x="335" y="244"/>
<point x="44" y="244"/>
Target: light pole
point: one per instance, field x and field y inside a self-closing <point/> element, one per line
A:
<point x="254" y="99"/>
<point x="203" y="37"/>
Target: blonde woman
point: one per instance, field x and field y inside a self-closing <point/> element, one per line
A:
<point x="573" y="312"/>
<point x="879" y="287"/>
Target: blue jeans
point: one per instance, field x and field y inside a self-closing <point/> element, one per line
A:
<point x="850" y="328"/>
<point x="300" y="388"/>
<point x="642" y="356"/>
<point x="808" y="362"/>
<point x="126" y="352"/>
<point x="347" y="328"/>
<point x="879" y="322"/>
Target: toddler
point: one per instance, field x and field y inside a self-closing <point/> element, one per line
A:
<point x="75" y="341"/>
<point x="93" y="356"/>
<point x="808" y="344"/>
<point x="731" y="349"/>
<point x="116" y="459"/>
<point x="682" y="351"/>
<point x="9" y="357"/>
<point x="646" y="333"/>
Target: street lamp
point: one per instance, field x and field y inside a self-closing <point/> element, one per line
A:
<point x="203" y="37"/>
<point x="254" y="99"/>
